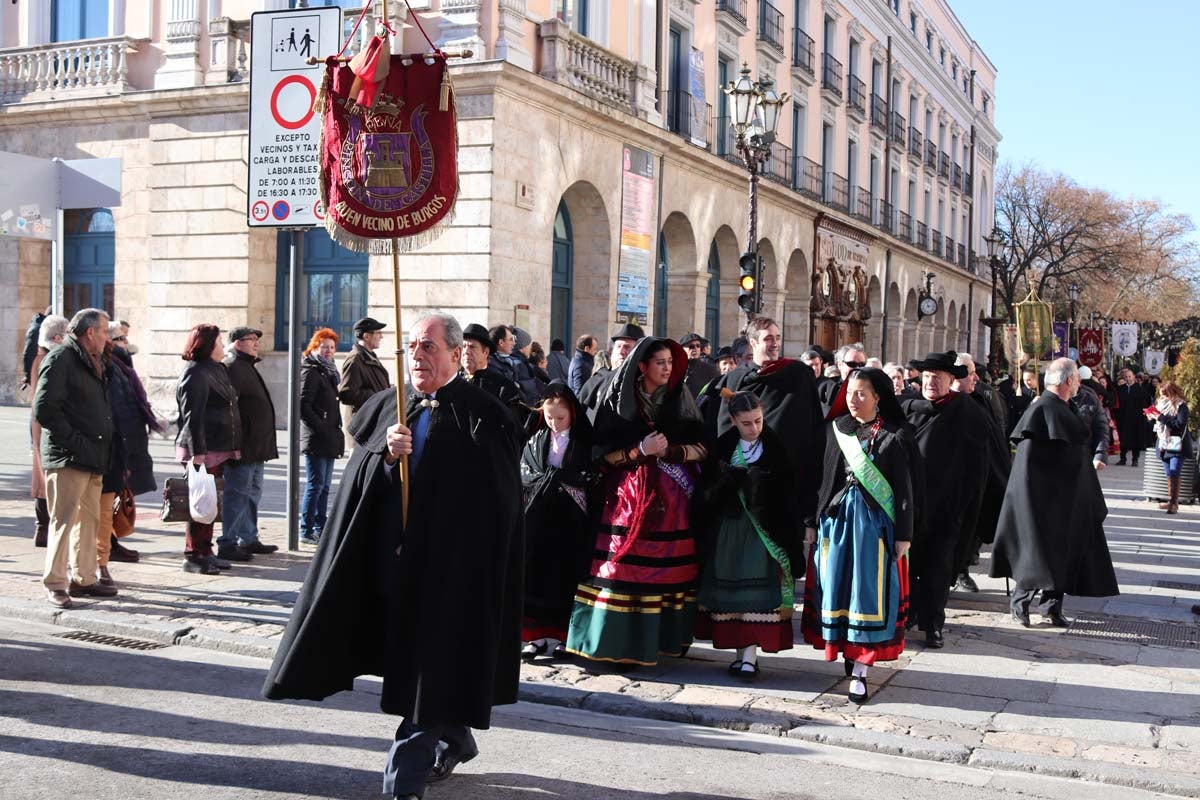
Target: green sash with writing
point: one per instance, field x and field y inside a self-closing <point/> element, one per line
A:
<point x="868" y="475"/>
<point x="787" y="584"/>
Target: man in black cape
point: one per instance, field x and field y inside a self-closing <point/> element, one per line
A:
<point x="432" y="604"/>
<point x="476" y="364"/>
<point x="788" y="393"/>
<point x="700" y="370"/>
<point x="622" y="343"/>
<point x="999" y="463"/>
<point x="953" y="435"/>
<point x="1051" y="533"/>
<point x="1132" y="399"/>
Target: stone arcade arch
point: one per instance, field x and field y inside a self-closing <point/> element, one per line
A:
<point x="796" y="299"/>
<point x="912" y="348"/>
<point x="873" y="328"/>
<point x="772" y="296"/>
<point x="684" y="279"/>
<point x="590" y="308"/>
<point x="728" y="250"/>
<point x="952" y="341"/>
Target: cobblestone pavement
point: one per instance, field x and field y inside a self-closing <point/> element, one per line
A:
<point x="1115" y="698"/>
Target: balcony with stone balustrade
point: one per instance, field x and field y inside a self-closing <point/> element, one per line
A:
<point x="68" y="70"/>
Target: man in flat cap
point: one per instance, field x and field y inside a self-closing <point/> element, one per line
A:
<point x="244" y="477"/>
<point x="622" y="341"/>
<point x="700" y="371"/>
<point x="363" y="374"/>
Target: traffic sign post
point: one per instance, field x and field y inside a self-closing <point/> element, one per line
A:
<point x="285" y="131"/>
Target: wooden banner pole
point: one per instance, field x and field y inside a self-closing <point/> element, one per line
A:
<point x="401" y="392"/>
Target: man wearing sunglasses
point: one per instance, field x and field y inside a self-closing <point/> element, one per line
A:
<point x="848" y="357"/>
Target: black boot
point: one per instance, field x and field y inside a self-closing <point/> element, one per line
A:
<point x="42" y="512"/>
<point x="120" y="552"/>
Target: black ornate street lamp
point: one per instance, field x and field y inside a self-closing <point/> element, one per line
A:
<point x="1073" y="294"/>
<point x="994" y="242"/>
<point x="756" y="112"/>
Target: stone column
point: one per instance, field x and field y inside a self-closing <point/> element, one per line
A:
<point x="686" y="295"/>
<point x="182" y="67"/>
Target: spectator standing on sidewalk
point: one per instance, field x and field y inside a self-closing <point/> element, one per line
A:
<point x="50" y="335"/>
<point x="363" y="374"/>
<point x="141" y="464"/>
<point x="76" y="442"/>
<point x="1174" y="447"/>
<point x="582" y="363"/>
<point x="210" y="432"/>
<point x="244" y="477"/>
<point x="33" y="348"/>
<point x="321" y="438"/>
<point x="1051" y="533"/>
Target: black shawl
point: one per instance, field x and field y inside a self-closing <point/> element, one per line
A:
<point x="440" y="619"/>
<point x="1051" y="531"/>
<point x="619" y="421"/>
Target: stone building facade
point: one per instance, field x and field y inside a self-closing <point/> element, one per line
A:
<point x="557" y="97"/>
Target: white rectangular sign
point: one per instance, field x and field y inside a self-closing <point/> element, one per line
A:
<point x="285" y="132"/>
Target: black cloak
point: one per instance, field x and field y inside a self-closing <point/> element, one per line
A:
<point x="788" y="393"/>
<point x="440" y="622"/>
<point x="510" y="395"/>
<point x="592" y="390"/>
<point x="1051" y="532"/>
<point x="998" y="464"/>
<point x="1136" y="433"/>
<point x="619" y="421"/>
<point x="766" y="485"/>
<point x="559" y="534"/>
<point x="700" y="373"/>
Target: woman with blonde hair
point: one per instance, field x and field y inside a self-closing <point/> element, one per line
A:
<point x="1174" y="446"/>
<point x="321" y="438"/>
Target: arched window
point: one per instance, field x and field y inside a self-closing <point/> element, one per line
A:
<point x="89" y="260"/>
<point x="562" y="277"/>
<point x="712" y="298"/>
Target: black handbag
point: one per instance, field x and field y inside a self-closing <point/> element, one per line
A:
<point x="175" y="500"/>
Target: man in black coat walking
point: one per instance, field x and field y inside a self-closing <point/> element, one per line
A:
<point x="1135" y="432"/>
<point x="1051" y="533"/>
<point x="432" y="601"/>
<point x="244" y="477"/>
<point x="476" y="364"/>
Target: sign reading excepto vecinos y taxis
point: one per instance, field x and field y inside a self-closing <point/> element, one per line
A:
<point x="285" y="132"/>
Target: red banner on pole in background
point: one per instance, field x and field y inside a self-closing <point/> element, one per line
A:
<point x="1091" y="346"/>
<point x="389" y="171"/>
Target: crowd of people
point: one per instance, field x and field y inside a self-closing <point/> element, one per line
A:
<point x="620" y="504"/>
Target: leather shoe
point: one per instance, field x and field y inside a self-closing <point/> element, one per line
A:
<point x="202" y="566"/>
<point x="91" y="590"/>
<point x="234" y="553"/>
<point x="59" y="598"/>
<point x="1021" y="616"/>
<point x="934" y="639"/>
<point x="219" y="562"/>
<point x="259" y="549"/>
<point x="123" y="554"/>
<point x="106" y="578"/>
<point x="967" y="583"/>
<point x="444" y="765"/>
<point x="1056" y="619"/>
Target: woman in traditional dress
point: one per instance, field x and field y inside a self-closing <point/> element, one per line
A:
<point x="856" y="593"/>
<point x="557" y="477"/>
<point x="753" y="550"/>
<point x="640" y="597"/>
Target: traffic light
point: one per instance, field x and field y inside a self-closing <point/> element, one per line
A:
<point x="748" y="282"/>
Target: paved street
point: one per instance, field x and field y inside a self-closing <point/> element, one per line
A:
<point x="1114" y="700"/>
<point x="178" y="722"/>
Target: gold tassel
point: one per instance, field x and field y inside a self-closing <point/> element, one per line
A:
<point x="444" y="97"/>
<point x="322" y="95"/>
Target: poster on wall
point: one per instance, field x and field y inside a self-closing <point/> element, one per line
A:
<point x="699" y="126"/>
<point x="637" y="235"/>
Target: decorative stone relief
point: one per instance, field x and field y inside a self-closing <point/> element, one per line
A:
<point x="182" y="67"/>
<point x="684" y="11"/>
<point x="943" y="116"/>
<point x="830" y="7"/>
<point x="878" y="52"/>
<point x="727" y="41"/>
<point x="855" y="29"/>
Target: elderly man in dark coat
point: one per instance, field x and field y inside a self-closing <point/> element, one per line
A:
<point x="623" y="340"/>
<point x="953" y="435"/>
<point x="431" y="602"/>
<point x="1132" y="399"/>
<point x="1051" y="533"/>
<point x="476" y="364"/>
<point x="700" y="370"/>
<point x="363" y="374"/>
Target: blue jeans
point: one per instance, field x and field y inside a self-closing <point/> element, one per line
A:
<point x="1173" y="465"/>
<point x="315" y="502"/>
<point x="239" y="510"/>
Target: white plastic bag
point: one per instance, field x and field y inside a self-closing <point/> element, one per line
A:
<point x="202" y="495"/>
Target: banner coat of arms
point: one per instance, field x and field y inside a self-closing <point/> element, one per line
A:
<point x="389" y="171"/>
<point x="1091" y="346"/>
<point x="1035" y="325"/>
<point x="1125" y="338"/>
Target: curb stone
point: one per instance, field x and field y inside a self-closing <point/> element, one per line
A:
<point x="774" y="722"/>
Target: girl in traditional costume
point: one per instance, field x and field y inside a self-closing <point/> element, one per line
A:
<point x="557" y="478"/>
<point x="747" y="583"/>
<point x="640" y="597"/>
<point x="856" y="592"/>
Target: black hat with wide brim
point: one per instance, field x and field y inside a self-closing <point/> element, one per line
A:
<point x="478" y="333"/>
<point x="940" y="362"/>
<point x="628" y="331"/>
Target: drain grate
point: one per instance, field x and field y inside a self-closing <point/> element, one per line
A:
<point x="110" y="641"/>
<point x="1136" y="631"/>
<point x="1182" y="586"/>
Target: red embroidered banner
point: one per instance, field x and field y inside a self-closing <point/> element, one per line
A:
<point x="1091" y="346"/>
<point x="389" y="171"/>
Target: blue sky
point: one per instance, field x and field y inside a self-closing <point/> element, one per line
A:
<point x="1104" y="91"/>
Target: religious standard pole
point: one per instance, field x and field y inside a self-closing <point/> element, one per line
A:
<point x="401" y="398"/>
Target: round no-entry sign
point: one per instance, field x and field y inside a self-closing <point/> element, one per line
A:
<point x="289" y="109"/>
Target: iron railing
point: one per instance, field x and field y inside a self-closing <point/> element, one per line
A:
<point x="734" y="8"/>
<point x="931" y="154"/>
<point x="916" y="143"/>
<point x="904" y="226"/>
<point x="778" y="166"/>
<point x="879" y="113"/>
<point x="679" y="112"/>
<point x="861" y="208"/>
<point x="935" y="242"/>
<point x="806" y="178"/>
<point x="962" y="256"/>
<point x="831" y="75"/>
<point x="949" y="247"/>
<point x="899" y="126"/>
<point x="856" y="95"/>
<point x="944" y="166"/>
<point x="886" y="216"/>
<point x="968" y="184"/>
<point x="837" y="191"/>
<point x="922" y="240"/>
<point x="770" y="25"/>
<point x="956" y="174"/>
<point x="802" y="51"/>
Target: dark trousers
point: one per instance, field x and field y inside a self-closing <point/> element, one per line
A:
<point x="933" y="572"/>
<point x="1136" y="453"/>
<point x="1050" y="602"/>
<point x="198" y="542"/>
<point x="414" y="751"/>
